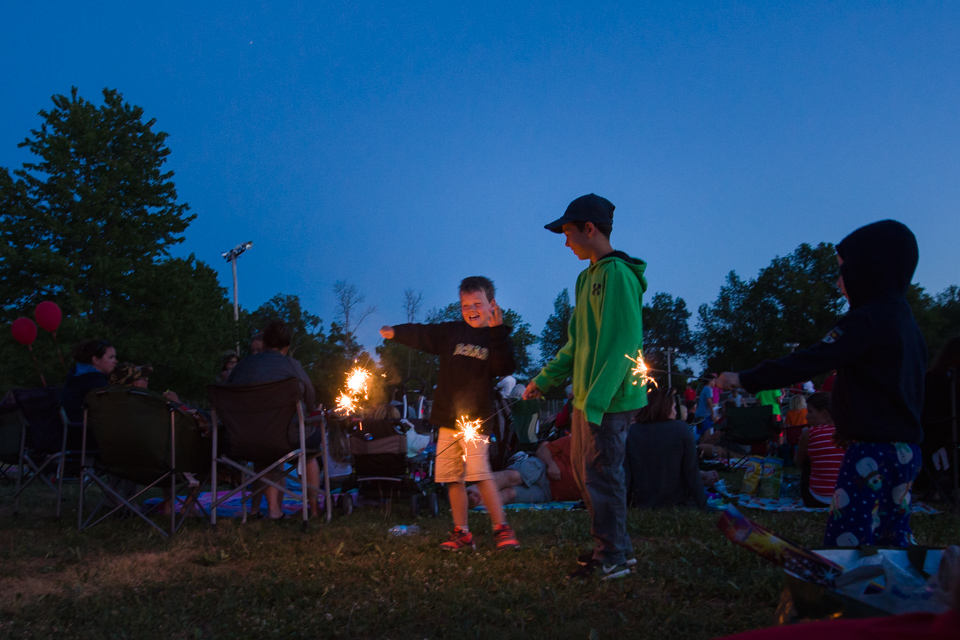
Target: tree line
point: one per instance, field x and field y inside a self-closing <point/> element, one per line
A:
<point x="90" y="220"/>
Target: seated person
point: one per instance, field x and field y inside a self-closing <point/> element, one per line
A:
<point x="817" y="455"/>
<point x="661" y="458"/>
<point x="96" y="359"/>
<point x="227" y="362"/>
<point x="546" y="477"/>
<point x="271" y="365"/>
<point x="716" y="442"/>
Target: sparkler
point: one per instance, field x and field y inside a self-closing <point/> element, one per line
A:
<point x="641" y="370"/>
<point x="357" y="386"/>
<point x="470" y="429"/>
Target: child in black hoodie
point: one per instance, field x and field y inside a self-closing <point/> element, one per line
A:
<point x="472" y="353"/>
<point x="880" y="358"/>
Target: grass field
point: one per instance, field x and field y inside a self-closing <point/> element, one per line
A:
<point x="350" y="578"/>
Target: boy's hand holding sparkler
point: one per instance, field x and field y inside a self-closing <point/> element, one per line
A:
<point x="386" y="332"/>
<point x="532" y="392"/>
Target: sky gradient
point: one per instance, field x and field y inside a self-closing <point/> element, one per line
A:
<point x="408" y="147"/>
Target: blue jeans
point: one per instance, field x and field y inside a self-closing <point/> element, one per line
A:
<point x="596" y="454"/>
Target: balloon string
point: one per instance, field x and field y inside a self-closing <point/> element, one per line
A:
<point x="59" y="353"/>
<point x="36" y="362"/>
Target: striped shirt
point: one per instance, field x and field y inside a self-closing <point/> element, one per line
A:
<point x="825" y="459"/>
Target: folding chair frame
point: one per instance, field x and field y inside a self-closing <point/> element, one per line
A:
<point x="35" y="468"/>
<point x="89" y="475"/>
<point x="248" y="477"/>
<point x="768" y="438"/>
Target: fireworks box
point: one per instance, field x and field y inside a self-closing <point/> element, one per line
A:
<point x="840" y="582"/>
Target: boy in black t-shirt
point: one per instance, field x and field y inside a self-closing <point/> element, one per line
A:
<point x="472" y="353"/>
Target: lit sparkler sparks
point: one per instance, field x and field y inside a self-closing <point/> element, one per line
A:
<point x="641" y="370"/>
<point x="469" y="431"/>
<point x="346" y="404"/>
<point x="356" y="387"/>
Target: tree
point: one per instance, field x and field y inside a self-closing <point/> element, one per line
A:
<point x="554" y="334"/>
<point x="306" y="331"/>
<point x="793" y="300"/>
<point x="937" y="316"/>
<point x="348" y="303"/>
<point x="665" y="325"/>
<point x="182" y="336"/>
<point x="400" y="362"/>
<point x="89" y="224"/>
<point x="94" y="209"/>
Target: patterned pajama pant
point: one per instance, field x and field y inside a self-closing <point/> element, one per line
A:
<point x="871" y="504"/>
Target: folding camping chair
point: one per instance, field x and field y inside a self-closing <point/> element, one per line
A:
<point x="526" y="423"/>
<point x="42" y="442"/>
<point x="9" y="437"/>
<point x="255" y="419"/>
<point x="143" y="439"/>
<point x="749" y="426"/>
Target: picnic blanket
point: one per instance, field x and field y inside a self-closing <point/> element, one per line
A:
<point x="232" y="507"/>
<point x="543" y="506"/>
<point x="791" y="504"/>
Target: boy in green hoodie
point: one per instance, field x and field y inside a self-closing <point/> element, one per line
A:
<point x="606" y="326"/>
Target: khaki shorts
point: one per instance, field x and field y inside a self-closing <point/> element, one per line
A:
<point x="459" y="461"/>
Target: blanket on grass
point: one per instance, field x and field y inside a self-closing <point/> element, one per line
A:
<point x="232" y="508"/>
<point x="786" y="504"/>
<point x="543" y="506"/>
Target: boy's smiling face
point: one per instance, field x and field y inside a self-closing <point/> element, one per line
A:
<point x="476" y="309"/>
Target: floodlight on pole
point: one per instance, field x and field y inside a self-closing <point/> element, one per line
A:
<point x="231" y="257"/>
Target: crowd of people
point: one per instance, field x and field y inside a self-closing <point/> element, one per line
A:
<point x="623" y="444"/>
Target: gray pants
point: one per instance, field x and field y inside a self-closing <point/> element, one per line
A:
<point x="596" y="454"/>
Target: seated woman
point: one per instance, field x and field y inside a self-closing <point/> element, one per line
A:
<point x="96" y="359"/>
<point x="661" y="458"/>
<point x="127" y="374"/>
<point x="227" y="362"/>
<point x="817" y="455"/>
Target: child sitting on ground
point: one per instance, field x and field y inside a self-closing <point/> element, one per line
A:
<point x="817" y="455"/>
<point x="880" y="358"/>
<point x="472" y="353"/>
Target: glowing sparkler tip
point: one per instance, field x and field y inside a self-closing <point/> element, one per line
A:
<point x="641" y="370"/>
<point x="356" y="387"/>
<point x="470" y="429"/>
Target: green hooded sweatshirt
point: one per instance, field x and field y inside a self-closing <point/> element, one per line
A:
<point x="606" y="327"/>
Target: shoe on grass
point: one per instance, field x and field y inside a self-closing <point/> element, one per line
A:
<point x="585" y="558"/>
<point x="595" y="568"/>
<point x="505" y="537"/>
<point x="459" y="539"/>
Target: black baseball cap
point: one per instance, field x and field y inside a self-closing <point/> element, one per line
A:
<point x="588" y="208"/>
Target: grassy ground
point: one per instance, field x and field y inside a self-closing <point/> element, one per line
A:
<point x="349" y="578"/>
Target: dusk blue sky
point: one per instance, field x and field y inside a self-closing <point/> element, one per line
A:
<point x="402" y="145"/>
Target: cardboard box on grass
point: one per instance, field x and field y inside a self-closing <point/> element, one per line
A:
<point x="819" y="586"/>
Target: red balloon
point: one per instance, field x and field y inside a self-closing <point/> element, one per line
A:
<point x="48" y="316"/>
<point x="24" y="331"/>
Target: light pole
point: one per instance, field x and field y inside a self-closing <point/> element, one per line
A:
<point x="670" y="351"/>
<point x="231" y="257"/>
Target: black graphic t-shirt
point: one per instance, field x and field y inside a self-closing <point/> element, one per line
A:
<point x="469" y="361"/>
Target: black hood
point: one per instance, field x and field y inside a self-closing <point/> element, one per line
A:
<point x="878" y="262"/>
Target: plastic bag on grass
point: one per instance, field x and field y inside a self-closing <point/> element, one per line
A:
<point x="770" y="477"/>
<point x="752" y="470"/>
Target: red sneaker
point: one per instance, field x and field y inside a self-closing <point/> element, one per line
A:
<point x="505" y="537"/>
<point x="459" y="539"/>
